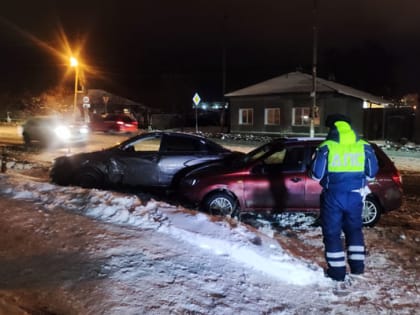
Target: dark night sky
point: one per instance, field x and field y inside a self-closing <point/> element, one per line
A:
<point x="160" y="52"/>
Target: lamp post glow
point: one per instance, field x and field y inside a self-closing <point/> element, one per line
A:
<point x="75" y="64"/>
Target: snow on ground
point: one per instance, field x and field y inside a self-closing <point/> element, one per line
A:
<point x="249" y="248"/>
<point x="261" y="251"/>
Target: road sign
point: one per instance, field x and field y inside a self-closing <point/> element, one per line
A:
<point x="196" y="99"/>
<point x="85" y="99"/>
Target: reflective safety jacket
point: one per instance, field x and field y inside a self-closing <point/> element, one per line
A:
<point x="343" y="162"/>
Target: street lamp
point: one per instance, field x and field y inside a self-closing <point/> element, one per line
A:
<point x="75" y="64"/>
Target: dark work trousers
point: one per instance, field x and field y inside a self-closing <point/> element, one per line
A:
<point x="342" y="211"/>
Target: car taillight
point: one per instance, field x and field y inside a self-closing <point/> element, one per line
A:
<point x="119" y="122"/>
<point x="397" y="179"/>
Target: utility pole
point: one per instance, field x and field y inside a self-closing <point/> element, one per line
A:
<point x="313" y="111"/>
<point x="224" y="109"/>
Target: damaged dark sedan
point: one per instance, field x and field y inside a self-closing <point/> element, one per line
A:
<point x="148" y="160"/>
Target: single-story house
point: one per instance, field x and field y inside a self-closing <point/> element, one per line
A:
<point x="282" y="106"/>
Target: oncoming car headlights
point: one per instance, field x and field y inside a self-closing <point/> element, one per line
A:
<point x="84" y="130"/>
<point x="62" y="132"/>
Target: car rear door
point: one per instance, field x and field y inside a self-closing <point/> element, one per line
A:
<point x="179" y="151"/>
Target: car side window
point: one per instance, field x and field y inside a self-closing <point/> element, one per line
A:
<point x="127" y="119"/>
<point x="276" y="158"/>
<point x="151" y="144"/>
<point x="294" y="159"/>
<point x="30" y="123"/>
<point x="181" y="144"/>
<point x="289" y="159"/>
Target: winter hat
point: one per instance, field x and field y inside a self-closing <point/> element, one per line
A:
<point x="331" y="119"/>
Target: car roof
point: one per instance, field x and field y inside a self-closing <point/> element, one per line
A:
<point x="156" y="133"/>
<point x="169" y="133"/>
<point x="45" y="117"/>
<point x="118" y="115"/>
<point x="179" y="133"/>
<point x="300" y="140"/>
<point x="312" y="141"/>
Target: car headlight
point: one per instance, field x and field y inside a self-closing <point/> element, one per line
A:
<point x="84" y="129"/>
<point x="62" y="132"/>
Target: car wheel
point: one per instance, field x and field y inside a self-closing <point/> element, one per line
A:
<point x="26" y="139"/>
<point x="371" y="211"/>
<point x="90" y="177"/>
<point x="61" y="173"/>
<point x="221" y="203"/>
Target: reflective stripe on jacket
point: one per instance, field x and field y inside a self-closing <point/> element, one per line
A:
<point x="346" y="158"/>
<point x="343" y="162"/>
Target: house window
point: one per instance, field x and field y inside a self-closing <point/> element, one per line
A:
<point x="272" y="116"/>
<point x="246" y="116"/>
<point x="301" y="117"/>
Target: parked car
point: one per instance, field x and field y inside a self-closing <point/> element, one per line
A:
<point x="150" y="160"/>
<point x="274" y="177"/>
<point x="114" y="123"/>
<point x="53" y="131"/>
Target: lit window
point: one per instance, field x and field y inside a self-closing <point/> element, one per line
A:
<point x="246" y="116"/>
<point x="272" y="116"/>
<point x="301" y="117"/>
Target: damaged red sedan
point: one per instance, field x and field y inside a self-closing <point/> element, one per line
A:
<point x="274" y="178"/>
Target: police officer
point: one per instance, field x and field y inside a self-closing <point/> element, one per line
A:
<point x="342" y="164"/>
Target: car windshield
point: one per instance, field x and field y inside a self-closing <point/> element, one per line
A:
<point x="257" y="153"/>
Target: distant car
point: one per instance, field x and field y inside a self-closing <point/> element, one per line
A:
<point x="150" y="160"/>
<point x="53" y="131"/>
<point x="114" y="123"/>
<point x="274" y="178"/>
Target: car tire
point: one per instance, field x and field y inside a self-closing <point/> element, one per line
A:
<point x="61" y="174"/>
<point x="90" y="177"/>
<point x="221" y="203"/>
<point x="371" y="211"/>
<point x="26" y="140"/>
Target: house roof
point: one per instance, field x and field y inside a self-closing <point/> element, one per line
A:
<point x="298" y="82"/>
<point x="97" y="94"/>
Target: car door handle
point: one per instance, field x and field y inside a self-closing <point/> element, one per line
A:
<point x="296" y="179"/>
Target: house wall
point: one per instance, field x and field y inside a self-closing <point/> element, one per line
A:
<point x="328" y="103"/>
<point x="258" y="104"/>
